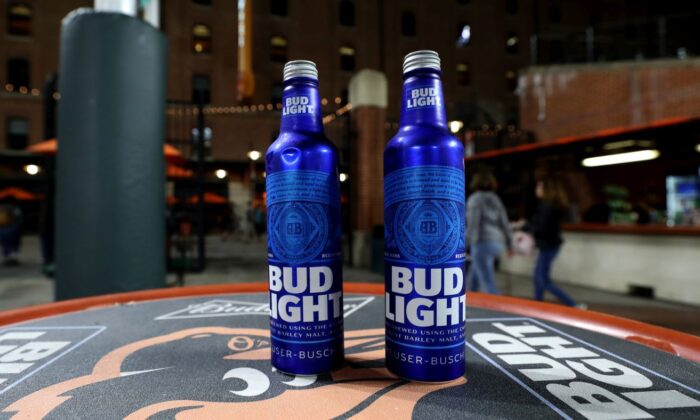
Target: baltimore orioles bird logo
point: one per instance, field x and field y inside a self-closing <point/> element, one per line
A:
<point x="216" y="372"/>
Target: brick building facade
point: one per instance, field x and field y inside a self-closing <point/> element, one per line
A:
<point x="483" y="46"/>
<point x="563" y="101"/>
<point x="341" y="36"/>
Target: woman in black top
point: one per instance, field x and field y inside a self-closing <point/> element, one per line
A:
<point x="545" y="226"/>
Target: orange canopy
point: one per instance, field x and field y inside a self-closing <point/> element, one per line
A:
<point x="18" y="194"/>
<point x="174" y="171"/>
<point x="49" y="147"/>
<point x="209" y="198"/>
<point x="172" y="154"/>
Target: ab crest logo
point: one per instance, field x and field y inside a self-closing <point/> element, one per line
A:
<point x="299" y="231"/>
<point x="231" y="377"/>
<point x="428" y="231"/>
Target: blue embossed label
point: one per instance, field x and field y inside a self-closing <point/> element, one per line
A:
<point x="424" y="255"/>
<point x="305" y="271"/>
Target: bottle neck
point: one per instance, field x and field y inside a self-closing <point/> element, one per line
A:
<point x="422" y="101"/>
<point x="301" y="106"/>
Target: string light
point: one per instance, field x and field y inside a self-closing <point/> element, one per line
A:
<point x="32" y="169"/>
<point x="254" y="155"/>
<point x="455" y="126"/>
<point x="223" y="110"/>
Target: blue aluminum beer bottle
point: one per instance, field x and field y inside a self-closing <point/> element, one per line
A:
<point x="304" y="233"/>
<point x="424" y="221"/>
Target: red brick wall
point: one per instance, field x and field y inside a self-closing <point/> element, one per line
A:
<point x="572" y="100"/>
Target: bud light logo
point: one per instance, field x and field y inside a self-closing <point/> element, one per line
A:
<point x="295" y="105"/>
<point x="423" y="97"/>
<point x="26" y="350"/>
<point x="572" y="376"/>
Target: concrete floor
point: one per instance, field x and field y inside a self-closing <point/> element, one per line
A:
<point x="240" y="261"/>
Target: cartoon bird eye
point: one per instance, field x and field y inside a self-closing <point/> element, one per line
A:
<point x="241" y="343"/>
<point x="256" y="382"/>
<point x="299" y="381"/>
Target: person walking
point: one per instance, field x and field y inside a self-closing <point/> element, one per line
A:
<point x="259" y="220"/>
<point x="11" y="218"/>
<point x="487" y="231"/>
<point x="250" y="221"/>
<point x="229" y="222"/>
<point x="545" y="226"/>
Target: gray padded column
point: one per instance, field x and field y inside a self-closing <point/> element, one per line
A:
<point x="110" y="207"/>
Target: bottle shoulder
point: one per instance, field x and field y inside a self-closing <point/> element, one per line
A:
<point x="301" y="141"/>
<point x="419" y="136"/>
<point x="297" y="151"/>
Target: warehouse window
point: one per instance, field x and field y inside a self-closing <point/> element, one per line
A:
<point x="201" y="39"/>
<point x="18" y="72"/>
<point x="556" y="51"/>
<point x="17" y="133"/>
<point x="554" y="13"/>
<point x="279" y="7"/>
<point x="278" y="49"/>
<point x="512" y="43"/>
<point x="408" y="24"/>
<point x="276" y="93"/>
<point x="19" y="19"/>
<point x="347" y="13"/>
<point x="201" y="88"/>
<point x="463" y="74"/>
<point x="347" y="58"/>
<point x="511" y="80"/>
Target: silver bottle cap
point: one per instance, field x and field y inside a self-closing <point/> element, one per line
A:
<point x="300" y="68"/>
<point x="422" y="59"/>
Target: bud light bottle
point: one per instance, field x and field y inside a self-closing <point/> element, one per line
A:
<point x="424" y="221"/>
<point x="304" y="233"/>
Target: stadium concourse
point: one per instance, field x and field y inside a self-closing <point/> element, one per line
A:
<point x="242" y="261"/>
